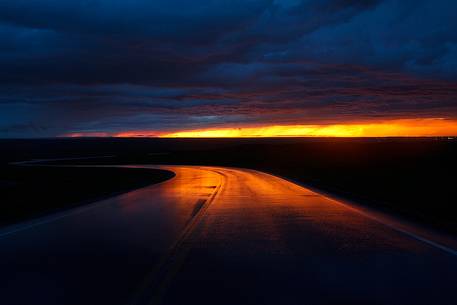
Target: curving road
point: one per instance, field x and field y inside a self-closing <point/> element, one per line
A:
<point x="222" y="236"/>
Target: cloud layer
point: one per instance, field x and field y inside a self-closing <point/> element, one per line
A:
<point x="112" y="65"/>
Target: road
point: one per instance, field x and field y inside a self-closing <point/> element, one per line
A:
<point x="221" y="236"/>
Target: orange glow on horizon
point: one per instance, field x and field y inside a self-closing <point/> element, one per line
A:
<point x="391" y="128"/>
<point x="86" y="134"/>
<point x="430" y="127"/>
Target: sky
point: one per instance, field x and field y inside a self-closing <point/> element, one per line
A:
<point x="167" y="67"/>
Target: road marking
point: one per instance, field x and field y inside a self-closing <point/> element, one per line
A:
<point x="154" y="286"/>
<point x="392" y="225"/>
<point x="197" y="207"/>
<point x="382" y="219"/>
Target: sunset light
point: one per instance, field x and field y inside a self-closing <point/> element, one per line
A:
<point x="393" y="128"/>
<point x="228" y="152"/>
<point x="430" y="127"/>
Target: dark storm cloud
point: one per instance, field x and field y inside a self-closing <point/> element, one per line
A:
<point x="112" y="65"/>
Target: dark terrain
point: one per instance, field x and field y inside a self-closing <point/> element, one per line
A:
<point x="31" y="191"/>
<point x="411" y="177"/>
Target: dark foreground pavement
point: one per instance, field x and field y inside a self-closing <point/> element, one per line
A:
<point x="222" y="236"/>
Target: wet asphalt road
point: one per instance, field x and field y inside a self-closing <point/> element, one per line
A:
<point x="220" y="236"/>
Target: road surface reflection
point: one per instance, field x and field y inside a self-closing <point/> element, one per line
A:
<point x="216" y="235"/>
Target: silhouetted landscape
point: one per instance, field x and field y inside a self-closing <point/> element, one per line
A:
<point x="224" y="152"/>
<point x="410" y="177"/>
<point x="32" y="191"/>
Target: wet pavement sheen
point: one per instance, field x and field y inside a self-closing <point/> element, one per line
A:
<point x="220" y="236"/>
